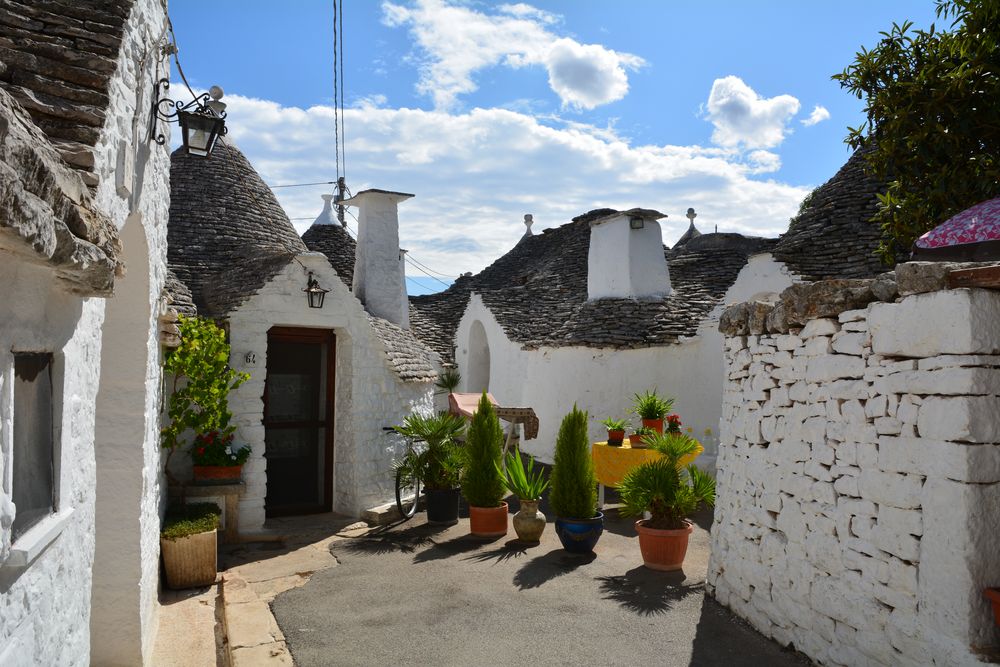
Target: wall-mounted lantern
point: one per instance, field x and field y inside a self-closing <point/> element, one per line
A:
<point x="202" y="120"/>
<point x="636" y="222"/>
<point x="314" y="292"/>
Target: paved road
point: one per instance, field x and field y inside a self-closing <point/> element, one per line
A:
<point x="421" y="595"/>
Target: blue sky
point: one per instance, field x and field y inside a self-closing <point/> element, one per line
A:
<point x="487" y="111"/>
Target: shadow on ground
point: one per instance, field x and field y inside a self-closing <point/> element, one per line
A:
<point x="547" y="567"/>
<point x="647" y="592"/>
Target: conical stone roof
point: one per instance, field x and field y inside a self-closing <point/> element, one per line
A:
<point x="328" y="236"/>
<point x="227" y="234"/>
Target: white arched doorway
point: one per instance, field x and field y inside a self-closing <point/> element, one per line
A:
<point x="478" y="379"/>
<point x="127" y="552"/>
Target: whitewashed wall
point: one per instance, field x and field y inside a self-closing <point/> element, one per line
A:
<point x="859" y="482"/>
<point x="368" y="394"/>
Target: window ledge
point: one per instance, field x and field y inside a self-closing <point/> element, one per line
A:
<point x="31" y="545"/>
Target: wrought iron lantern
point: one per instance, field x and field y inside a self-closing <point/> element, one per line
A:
<point x="314" y="292"/>
<point x="202" y="120"/>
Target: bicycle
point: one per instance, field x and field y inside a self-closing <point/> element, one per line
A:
<point x="407" y="483"/>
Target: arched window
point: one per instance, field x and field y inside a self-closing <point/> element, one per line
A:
<point x="478" y="378"/>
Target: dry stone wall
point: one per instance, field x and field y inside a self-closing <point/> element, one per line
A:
<point x="859" y="470"/>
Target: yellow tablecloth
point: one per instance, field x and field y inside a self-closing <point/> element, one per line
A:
<point x="611" y="464"/>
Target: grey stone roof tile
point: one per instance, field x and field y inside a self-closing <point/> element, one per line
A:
<point x="333" y="241"/>
<point x="412" y="360"/>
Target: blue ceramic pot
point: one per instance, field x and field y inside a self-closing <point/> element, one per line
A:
<point x="579" y="536"/>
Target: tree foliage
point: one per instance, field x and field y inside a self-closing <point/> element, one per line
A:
<point x="482" y="484"/>
<point x="574" y="485"/>
<point x="933" y="118"/>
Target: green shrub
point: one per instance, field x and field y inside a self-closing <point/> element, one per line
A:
<point x="613" y="424"/>
<point x="482" y="485"/>
<point x="650" y="405"/>
<point x="438" y="462"/>
<point x="185" y="520"/>
<point x="574" y="486"/>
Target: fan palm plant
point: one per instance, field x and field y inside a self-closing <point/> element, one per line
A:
<point x="438" y="465"/>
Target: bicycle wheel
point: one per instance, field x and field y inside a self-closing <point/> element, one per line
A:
<point x="407" y="494"/>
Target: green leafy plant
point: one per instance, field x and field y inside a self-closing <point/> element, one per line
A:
<point x="448" y="380"/>
<point x="650" y="405"/>
<point x="644" y="431"/>
<point x="202" y="380"/>
<point x="667" y="490"/>
<point x="574" y="485"/>
<point x="482" y="484"/>
<point x="186" y="520"/>
<point x="215" y="449"/>
<point x="933" y="123"/>
<point x="523" y="481"/>
<point x="613" y="424"/>
<point x="438" y="464"/>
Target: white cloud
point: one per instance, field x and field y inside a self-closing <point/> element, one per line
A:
<point x="742" y="118"/>
<point x="476" y="174"/>
<point x="818" y="115"/>
<point x="764" y="162"/>
<point x="457" y="42"/>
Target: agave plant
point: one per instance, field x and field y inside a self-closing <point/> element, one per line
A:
<point x="650" y="405"/>
<point x="438" y="464"/>
<point x="523" y="481"/>
<point x="667" y="490"/>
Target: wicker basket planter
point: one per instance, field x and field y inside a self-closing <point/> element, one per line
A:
<point x="190" y="561"/>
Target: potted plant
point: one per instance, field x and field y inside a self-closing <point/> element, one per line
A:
<point x="616" y="430"/>
<point x="482" y="484"/>
<point x="652" y="408"/>
<point x="448" y="380"/>
<point x="670" y="493"/>
<point x="215" y="460"/>
<point x="188" y="542"/>
<point x="638" y="439"/>
<point x="438" y="464"/>
<point x="673" y="424"/>
<point x="202" y="380"/>
<point x="574" y="487"/>
<point x="528" y="486"/>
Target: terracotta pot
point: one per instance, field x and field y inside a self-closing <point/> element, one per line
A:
<point x="488" y="521"/>
<point x="190" y="561"/>
<point x="615" y="438"/>
<point x="663" y="549"/>
<point x="654" y="424"/>
<point x="635" y="441"/>
<point x="529" y="522"/>
<point x="993" y="595"/>
<point x="217" y="474"/>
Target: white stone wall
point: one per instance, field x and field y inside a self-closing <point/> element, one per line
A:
<point x="859" y="482"/>
<point x="369" y="395"/>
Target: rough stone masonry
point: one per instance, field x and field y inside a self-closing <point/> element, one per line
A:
<point x="859" y="469"/>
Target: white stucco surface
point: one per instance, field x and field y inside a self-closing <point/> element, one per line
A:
<point x="368" y="394"/>
<point x="858" y="491"/>
<point x="626" y="263"/>
<point x="379" y="267"/>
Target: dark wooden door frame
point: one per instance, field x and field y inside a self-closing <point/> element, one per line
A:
<point x="329" y="339"/>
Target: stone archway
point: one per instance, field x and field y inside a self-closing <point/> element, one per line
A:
<point x="478" y="379"/>
<point x="126" y="561"/>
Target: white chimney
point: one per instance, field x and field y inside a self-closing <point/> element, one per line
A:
<point x="379" y="269"/>
<point x="626" y="259"/>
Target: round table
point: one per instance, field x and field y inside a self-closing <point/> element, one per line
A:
<point x="611" y="464"/>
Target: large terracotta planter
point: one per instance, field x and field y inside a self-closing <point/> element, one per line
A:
<point x="217" y="474"/>
<point x="654" y="424"/>
<point x="488" y="521"/>
<point x="663" y="549"/>
<point x="579" y="536"/>
<point x="529" y="522"/>
<point x="190" y="561"/>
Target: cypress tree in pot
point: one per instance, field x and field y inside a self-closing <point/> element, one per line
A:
<point x="482" y="485"/>
<point x="574" y="487"/>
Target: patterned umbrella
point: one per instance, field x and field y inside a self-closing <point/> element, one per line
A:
<point x="971" y="236"/>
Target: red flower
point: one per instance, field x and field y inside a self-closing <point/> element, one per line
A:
<point x="201" y="451"/>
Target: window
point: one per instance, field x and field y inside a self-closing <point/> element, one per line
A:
<point x="33" y="454"/>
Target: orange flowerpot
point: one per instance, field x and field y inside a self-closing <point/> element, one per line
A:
<point x="217" y="474"/>
<point x="663" y="549"/>
<point x="488" y="521"/>
<point x="993" y="595"/>
<point x="655" y="424"/>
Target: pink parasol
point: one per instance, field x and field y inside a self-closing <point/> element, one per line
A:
<point x="971" y="236"/>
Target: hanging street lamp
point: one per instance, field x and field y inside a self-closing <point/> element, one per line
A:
<point x="202" y="120"/>
<point x="314" y="292"/>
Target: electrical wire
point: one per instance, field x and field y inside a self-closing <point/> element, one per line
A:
<point x="406" y="256"/>
<point x="302" y="185"/>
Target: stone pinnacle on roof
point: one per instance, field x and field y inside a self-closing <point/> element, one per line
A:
<point x="327" y="216"/>
<point x="692" y="231"/>
<point x="528" y="221"/>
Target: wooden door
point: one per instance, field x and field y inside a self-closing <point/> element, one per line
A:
<point x="298" y="420"/>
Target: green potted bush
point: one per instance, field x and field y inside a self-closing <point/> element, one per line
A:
<point x="652" y="408"/>
<point x="199" y="402"/>
<point x="528" y="485"/>
<point x="616" y="430"/>
<point x="671" y="493"/>
<point x="189" y="543"/>
<point x="574" y="487"/>
<point x="482" y="484"/>
<point x="437" y="464"/>
<point x="637" y="440"/>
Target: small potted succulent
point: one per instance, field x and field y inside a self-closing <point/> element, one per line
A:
<point x="670" y="493"/>
<point x="189" y="543"/>
<point x="637" y="440"/>
<point x="652" y="408"/>
<point x="528" y="485"/>
<point x="438" y="464"/>
<point x="482" y="483"/>
<point x="215" y="459"/>
<point x="574" y="487"/>
<point x="616" y="430"/>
